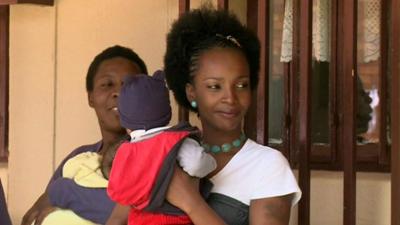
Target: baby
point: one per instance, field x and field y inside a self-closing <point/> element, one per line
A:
<point x="142" y="168"/>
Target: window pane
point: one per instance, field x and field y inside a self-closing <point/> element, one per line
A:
<point x="321" y="54"/>
<point x="368" y="81"/>
<point x="276" y="78"/>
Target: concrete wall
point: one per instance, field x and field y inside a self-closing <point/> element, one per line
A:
<point x="50" y="50"/>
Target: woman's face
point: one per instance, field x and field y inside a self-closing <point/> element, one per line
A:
<point x="221" y="87"/>
<point x="106" y="87"/>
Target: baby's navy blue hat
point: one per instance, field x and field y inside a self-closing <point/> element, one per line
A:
<point x="144" y="102"/>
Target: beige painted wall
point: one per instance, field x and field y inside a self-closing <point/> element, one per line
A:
<point x="31" y="131"/>
<point x="50" y="50"/>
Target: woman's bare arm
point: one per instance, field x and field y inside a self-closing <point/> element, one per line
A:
<point x="119" y="215"/>
<point x="38" y="211"/>
<point x="270" y="211"/>
<point x="183" y="192"/>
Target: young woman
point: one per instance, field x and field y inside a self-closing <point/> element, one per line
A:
<point x="212" y="65"/>
<point x="103" y="84"/>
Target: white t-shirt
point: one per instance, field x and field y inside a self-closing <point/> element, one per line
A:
<point x="256" y="172"/>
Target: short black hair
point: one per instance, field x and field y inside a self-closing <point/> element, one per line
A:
<point x="197" y="31"/>
<point x="109" y="53"/>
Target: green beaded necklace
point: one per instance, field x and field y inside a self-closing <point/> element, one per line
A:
<point x="226" y="147"/>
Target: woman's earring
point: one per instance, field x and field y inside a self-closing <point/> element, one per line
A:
<point x="193" y="104"/>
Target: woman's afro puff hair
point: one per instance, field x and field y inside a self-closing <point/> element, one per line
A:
<point x="197" y="31"/>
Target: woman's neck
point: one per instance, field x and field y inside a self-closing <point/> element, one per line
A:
<point x="218" y="137"/>
<point x="110" y="138"/>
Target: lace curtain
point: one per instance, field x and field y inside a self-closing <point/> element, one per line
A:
<point x="322" y="27"/>
<point x="371" y="29"/>
<point x="321" y="30"/>
<point x="287" y="37"/>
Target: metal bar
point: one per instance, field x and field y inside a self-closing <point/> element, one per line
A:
<point x="4" y="80"/>
<point x="263" y="87"/>
<point x="287" y="119"/>
<point x="333" y="88"/>
<point x="294" y="88"/>
<point x="382" y="74"/>
<point x="395" y="112"/>
<point x="305" y="41"/>
<point x="184" y="6"/>
<point x="223" y="4"/>
<point x="8" y="2"/>
<point x="256" y="122"/>
<point x="349" y="109"/>
<point x="251" y="116"/>
<point x="40" y="2"/>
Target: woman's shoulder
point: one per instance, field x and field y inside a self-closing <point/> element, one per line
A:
<point x="255" y="172"/>
<point x="261" y="158"/>
<point x="85" y="148"/>
<point x="261" y="152"/>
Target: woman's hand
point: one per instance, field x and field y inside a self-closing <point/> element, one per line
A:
<point x="183" y="190"/>
<point x="119" y="215"/>
<point x="39" y="211"/>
